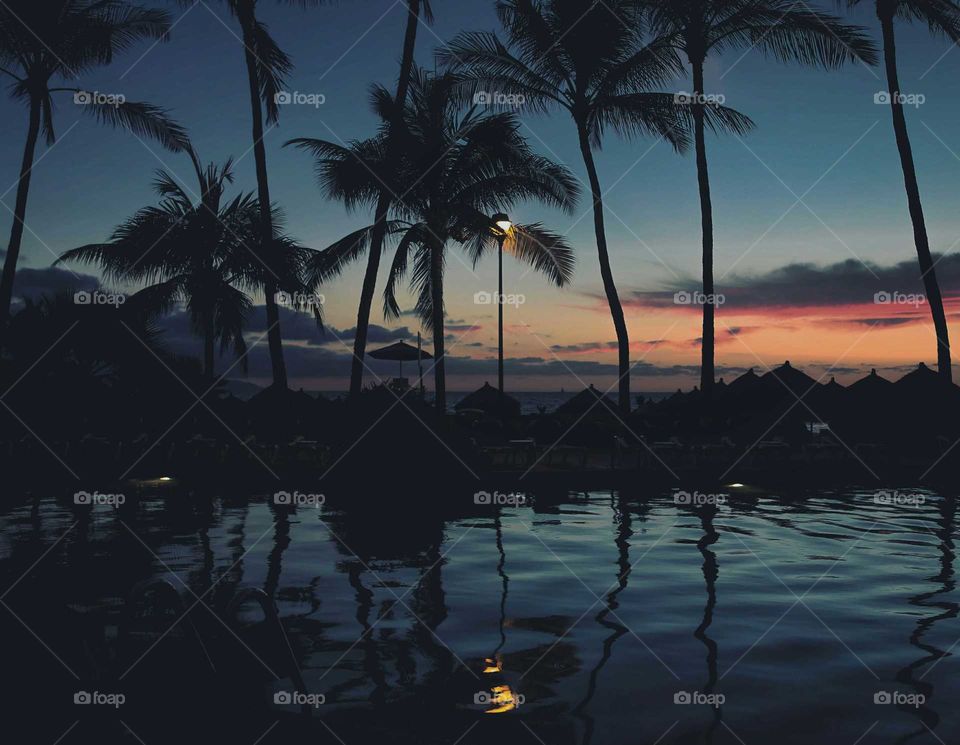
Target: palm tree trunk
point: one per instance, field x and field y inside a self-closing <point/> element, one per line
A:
<point x="383" y="207"/>
<point x="613" y="299"/>
<point x="274" y="338"/>
<point x="707" y="372"/>
<point x="930" y="284"/>
<point x="208" y="349"/>
<point x="19" y="214"/>
<point x="436" y="288"/>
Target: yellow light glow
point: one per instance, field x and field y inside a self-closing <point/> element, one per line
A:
<point x="504" y="698"/>
<point x="492" y="666"/>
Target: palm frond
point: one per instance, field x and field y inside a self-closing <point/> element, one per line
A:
<point x="143" y="120"/>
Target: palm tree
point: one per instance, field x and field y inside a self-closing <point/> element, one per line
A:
<point x="267" y="68"/>
<point x="385" y="198"/>
<point x="941" y="17"/>
<point x="197" y="255"/>
<point x="62" y="40"/>
<point x="460" y="168"/>
<point x="591" y="59"/>
<point x="783" y="29"/>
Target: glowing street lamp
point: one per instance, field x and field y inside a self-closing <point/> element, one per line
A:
<point x="503" y="223"/>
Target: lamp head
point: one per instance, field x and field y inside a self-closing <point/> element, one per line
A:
<point x="503" y="222"/>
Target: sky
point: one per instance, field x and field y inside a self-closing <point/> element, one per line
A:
<point x="809" y="210"/>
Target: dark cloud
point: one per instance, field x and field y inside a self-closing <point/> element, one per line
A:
<point x="604" y="346"/>
<point x="590" y="346"/>
<point x="802" y="285"/>
<point x="33" y="283"/>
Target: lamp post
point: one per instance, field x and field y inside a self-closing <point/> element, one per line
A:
<point x="504" y="226"/>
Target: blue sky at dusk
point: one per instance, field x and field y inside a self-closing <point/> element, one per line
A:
<point x="816" y="131"/>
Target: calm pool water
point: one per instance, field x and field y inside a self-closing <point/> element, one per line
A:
<point x="826" y="618"/>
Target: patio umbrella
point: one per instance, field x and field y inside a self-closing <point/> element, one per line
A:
<point x="400" y="352"/>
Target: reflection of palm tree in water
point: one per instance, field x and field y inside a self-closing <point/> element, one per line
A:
<point x="621" y="517"/>
<point x="281" y="540"/>
<point x="505" y="580"/>
<point x="371" y="658"/>
<point x="945" y="579"/>
<point x="429" y="605"/>
<point x="711" y="571"/>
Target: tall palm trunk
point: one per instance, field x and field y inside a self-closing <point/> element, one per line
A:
<point x="436" y="289"/>
<point x="707" y="372"/>
<point x="613" y="299"/>
<point x="383" y="207"/>
<point x="930" y="284"/>
<point x="274" y="338"/>
<point x="209" y="346"/>
<point x="19" y="214"/>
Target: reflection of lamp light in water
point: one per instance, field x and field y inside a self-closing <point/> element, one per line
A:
<point x="504" y="699"/>
<point x="493" y="666"/>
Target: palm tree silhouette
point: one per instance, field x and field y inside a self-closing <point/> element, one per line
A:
<point x="941" y="17"/>
<point x="198" y="255"/>
<point x="783" y="29"/>
<point x="62" y="40"/>
<point x="594" y="63"/>
<point x="267" y="68"/>
<point x="459" y="169"/>
<point x="387" y="195"/>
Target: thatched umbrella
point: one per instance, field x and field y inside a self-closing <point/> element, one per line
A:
<point x="746" y="385"/>
<point x="588" y="399"/>
<point x="828" y="398"/>
<point x="789" y="377"/>
<point x="872" y="387"/>
<point x="492" y="401"/>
